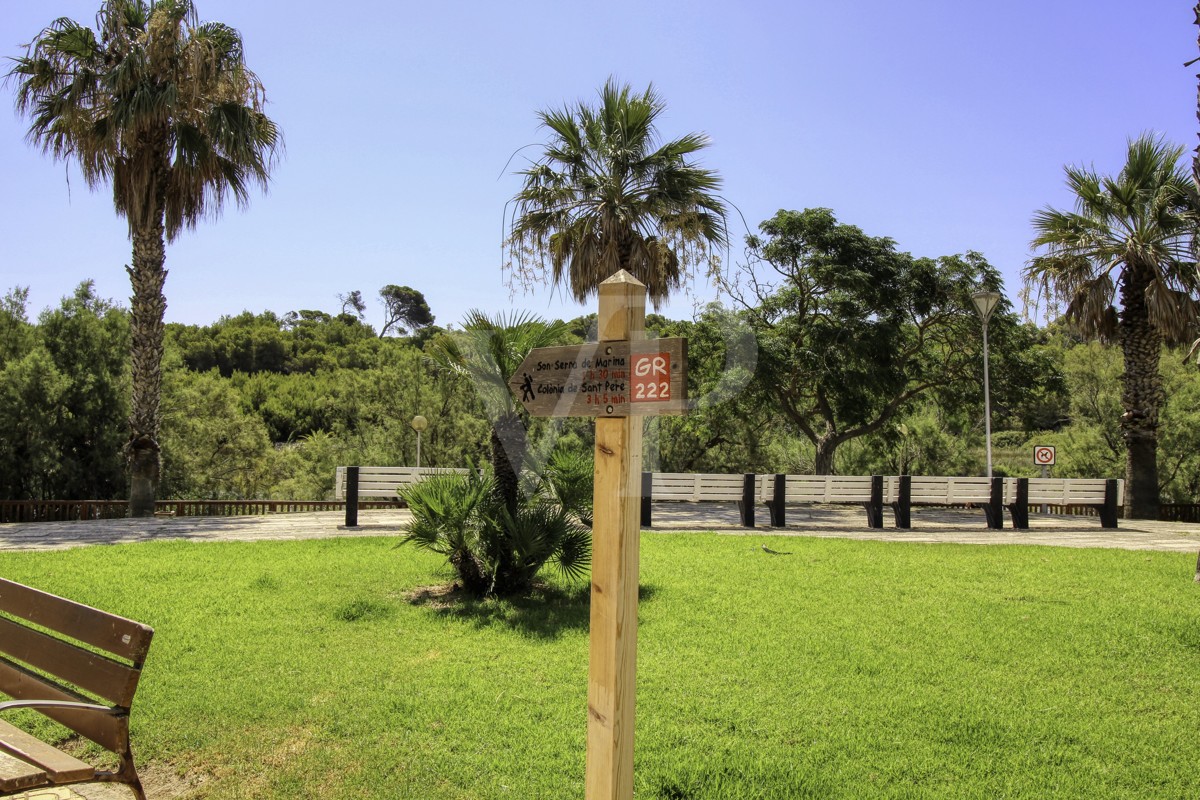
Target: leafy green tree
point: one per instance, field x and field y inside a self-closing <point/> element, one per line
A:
<point x="353" y="304"/>
<point x="926" y="440"/>
<point x="16" y="333"/>
<point x="1093" y="375"/>
<point x="217" y="450"/>
<point x="1123" y="266"/>
<point x="31" y="394"/>
<point x="851" y="331"/>
<point x="88" y="339"/>
<point x="726" y="428"/>
<point x="64" y="401"/>
<point x="1029" y="391"/>
<point x="404" y="309"/>
<point x="486" y="353"/>
<point x="162" y="107"/>
<point x="305" y="341"/>
<point x="1179" y="440"/>
<point x="304" y="469"/>
<point x="604" y="195"/>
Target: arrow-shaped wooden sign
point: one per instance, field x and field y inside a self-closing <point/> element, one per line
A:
<point x="646" y="377"/>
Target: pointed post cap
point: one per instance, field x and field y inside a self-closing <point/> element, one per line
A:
<point x="622" y="276"/>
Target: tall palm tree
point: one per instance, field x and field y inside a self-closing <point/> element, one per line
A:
<point x="605" y="195"/>
<point x="163" y="108"/>
<point x="487" y="352"/>
<point x="1124" y="265"/>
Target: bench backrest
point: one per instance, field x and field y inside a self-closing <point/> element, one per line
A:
<point x="696" y="487"/>
<point x="42" y="657"/>
<point x="1067" y="491"/>
<point x="386" y="481"/>
<point x="948" y="491"/>
<point x="823" y="488"/>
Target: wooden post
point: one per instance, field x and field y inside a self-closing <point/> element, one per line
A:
<point x="779" y="502"/>
<point x="351" y="497"/>
<point x="647" y="498"/>
<point x="615" y="538"/>
<point x="746" y="506"/>
<point x="995" y="506"/>
<point x="875" y="504"/>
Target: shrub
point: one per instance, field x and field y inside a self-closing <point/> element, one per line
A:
<point x="495" y="551"/>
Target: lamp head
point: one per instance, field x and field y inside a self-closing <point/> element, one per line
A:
<point x="985" y="303"/>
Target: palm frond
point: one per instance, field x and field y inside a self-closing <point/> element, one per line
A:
<point x="151" y="98"/>
<point x="1143" y="219"/>
<point x="602" y="184"/>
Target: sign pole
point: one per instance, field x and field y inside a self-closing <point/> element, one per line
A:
<point x="1045" y="474"/>
<point x="616" y="533"/>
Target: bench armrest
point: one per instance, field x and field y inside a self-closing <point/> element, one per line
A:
<point x="51" y="704"/>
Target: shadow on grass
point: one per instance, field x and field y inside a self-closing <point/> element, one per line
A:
<point x="759" y="782"/>
<point x="546" y="612"/>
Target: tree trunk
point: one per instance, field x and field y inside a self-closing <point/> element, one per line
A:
<point x="823" y="463"/>
<point x="508" y="456"/>
<point x="1141" y="396"/>
<point x="146" y="332"/>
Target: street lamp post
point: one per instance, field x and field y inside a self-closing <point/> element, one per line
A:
<point x="985" y="304"/>
<point x="418" y="424"/>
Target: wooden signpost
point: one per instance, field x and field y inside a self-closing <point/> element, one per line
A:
<point x="618" y="380"/>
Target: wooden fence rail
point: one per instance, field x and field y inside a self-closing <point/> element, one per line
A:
<point x="70" y="510"/>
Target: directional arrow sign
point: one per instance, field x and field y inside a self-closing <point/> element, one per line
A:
<point x="604" y="379"/>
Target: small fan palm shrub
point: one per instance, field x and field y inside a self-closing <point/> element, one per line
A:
<point x="570" y="476"/>
<point x="495" y="549"/>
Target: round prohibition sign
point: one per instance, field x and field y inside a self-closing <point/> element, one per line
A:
<point x="1043" y="456"/>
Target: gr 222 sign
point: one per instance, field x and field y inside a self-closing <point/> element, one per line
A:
<point x="651" y="377"/>
<point x="644" y="377"/>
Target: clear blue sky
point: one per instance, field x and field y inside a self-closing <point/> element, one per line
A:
<point x="943" y="124"/>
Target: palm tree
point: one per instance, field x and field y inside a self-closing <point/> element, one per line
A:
<point x="605" y="196"/>
<point x="1123" y="263"/>
<point x="487" y="352"/>
<point x="164" y="109"/>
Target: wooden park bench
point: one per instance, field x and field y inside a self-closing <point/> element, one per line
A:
<point x="44" y="667"/>
<point x="354" y="483"/>
<point x="688" y="487"/>
<point x="1104" y="495"/>
<point x="865" y="490"/>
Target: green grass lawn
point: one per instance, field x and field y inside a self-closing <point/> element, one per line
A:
<point x="846" y="669"/>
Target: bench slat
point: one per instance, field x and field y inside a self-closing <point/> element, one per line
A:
<point x="16" y="774"/>
<point x="58" y="766"/>
<point x="89" y="671"/>
<point x="950" y="491"/>
<point x="103" y="729"/>
<point x="118" y="635"/>
<point x="384" y="481"/>
<point x="696" y="487"/>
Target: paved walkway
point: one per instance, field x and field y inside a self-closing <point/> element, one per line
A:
<point x="928" y="525"/>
